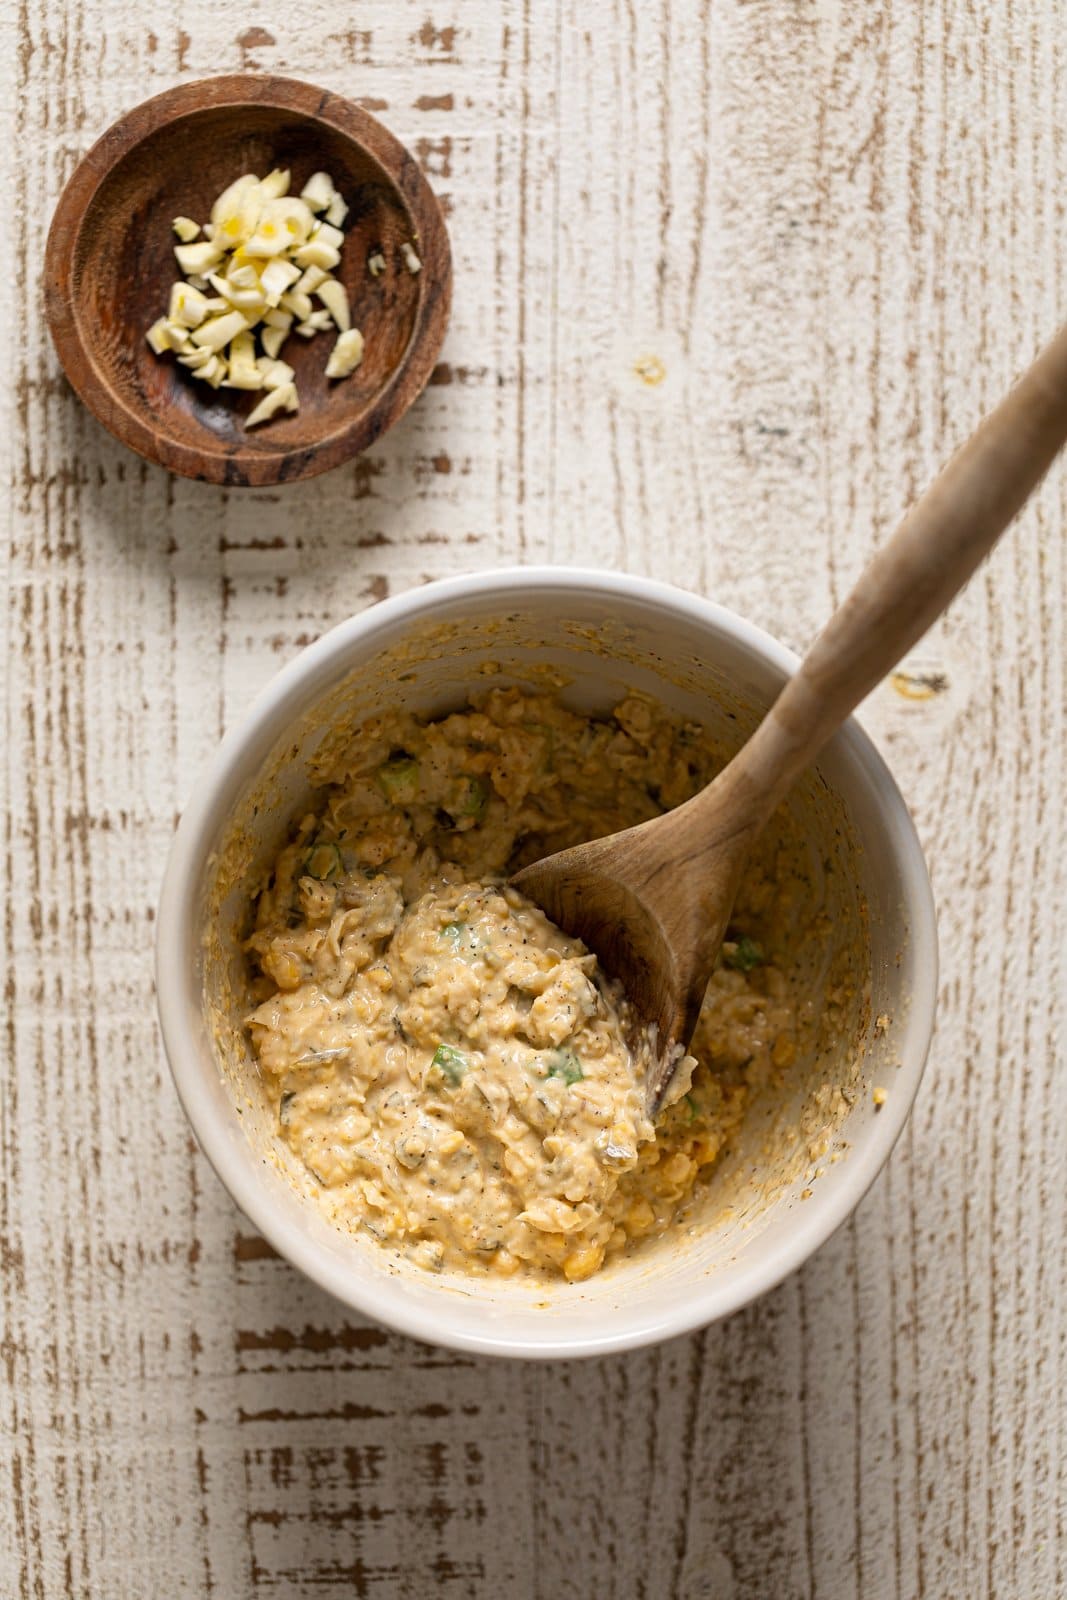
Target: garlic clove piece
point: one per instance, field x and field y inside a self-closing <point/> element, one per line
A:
<point x="346" y="354"/>
<point x="332" y="294"/>
<point x="277" y="374"/>
<point x="325" y="234"/>
<point x="296" y="302"/>
<point x="273" y="401"/>
<point x="276" y="183"/>
<point x="158" y="337"/>
<point x="218" y="331"/>
<point x="336" y="211"/>
<point x="186" y="306"/>
<point x="317" y="254"/>
<point x="277" y="276"/>
<point x="203" y="256"/>
<point x="235" y="214"/>
<point x="319" y="191"/>
<point x="282" y="225"/>
<point x="311" y="278"/>
<point x="272" y="340"/>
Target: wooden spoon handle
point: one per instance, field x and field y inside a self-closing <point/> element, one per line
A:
<point x="912" y="579"/>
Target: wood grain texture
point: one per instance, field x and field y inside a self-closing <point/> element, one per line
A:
<point x="840" y="229"/>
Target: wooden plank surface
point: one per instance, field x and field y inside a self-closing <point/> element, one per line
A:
<point x="841" y="228"/>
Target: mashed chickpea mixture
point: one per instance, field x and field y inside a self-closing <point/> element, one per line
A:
<point x="451" y="1068"/>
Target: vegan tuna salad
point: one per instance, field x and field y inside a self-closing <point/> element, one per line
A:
<point x="451" y="1068"/>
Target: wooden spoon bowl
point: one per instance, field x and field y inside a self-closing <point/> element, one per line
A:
<point x="109" y="265"/>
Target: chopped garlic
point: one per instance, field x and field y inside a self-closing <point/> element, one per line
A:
<point x="243" y="378"/>
<point x="200" y="257"/>
<point x="236" y="211"/>
<point x="277" y="276"/>
<point x="275" y="184"/>
<point x="178" y="335"/>
<point x="318" y="322"/>
<point x="276" y="374"/>
<point x="262" y="256"/>
<point x="273" y="401"/>
<point x="272" y="340"/>
<point x="243" y="370"/>
<point x="245" y="277"/>
<point x="376" y="264"/>
<point x="158" y="336"/>
<point x="332" y="294"/>
<point x="336" y="211"/>
<point x="317" y="253"/>
<point x="217" y="331"/>
<point x="319" y="191"/>
<point x="311" y="278"/>
<point x="282" y="224"/>
<point x="411" y="260"/>
<point x="213" y="371"/>
<point x="325" y="234"/>
<point x="346" y="354"/>
<point x="298" y="303"/>
<point x="187" y="305"/>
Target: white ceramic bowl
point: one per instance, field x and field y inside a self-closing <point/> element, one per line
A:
<point x="601" y="632"/>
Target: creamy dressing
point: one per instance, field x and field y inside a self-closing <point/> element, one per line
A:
<point x="450" y="1067"/>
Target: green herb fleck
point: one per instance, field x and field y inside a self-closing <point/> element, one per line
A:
<point x="565" y="1064"/>
<point x="452" y="1062"/>
<point x="323" y="861"/>
<point x="471" y="799"/>
<point x="398" y="780"/>
<point x="694" y="1109"/>
<point x="453" y="932"/>
<point x="745" y="955"/>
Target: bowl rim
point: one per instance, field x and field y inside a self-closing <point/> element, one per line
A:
<point x="179" y="997"/>
<point x="237" y="464"/>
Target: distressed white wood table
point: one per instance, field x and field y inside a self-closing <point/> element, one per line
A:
<point x="841" y="229"/>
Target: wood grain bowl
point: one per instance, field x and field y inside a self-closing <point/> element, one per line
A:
<point x="109" y="265"/>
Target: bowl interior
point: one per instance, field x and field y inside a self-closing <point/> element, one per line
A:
<point x="124" y="265"/>
<point x="806" y="1153"/>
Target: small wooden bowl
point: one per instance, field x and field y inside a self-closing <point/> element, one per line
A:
<point x="109" y="265"/>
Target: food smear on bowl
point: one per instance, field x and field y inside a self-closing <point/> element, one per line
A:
<point x="454" y="1072"/>
<point x="262" y="261"/>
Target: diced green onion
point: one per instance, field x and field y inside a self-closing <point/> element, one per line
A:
<point x="471" y="801"/>
<point x="398" y="780"/>
<point x="565" y="1064"/>
<point x="323" y="861"/>
<point x="453" y="932"/>
<point x="745" y="955"/>
<point x="452" y="1062"/>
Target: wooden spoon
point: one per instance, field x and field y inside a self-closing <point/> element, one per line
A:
<point x="653" y="901"/>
